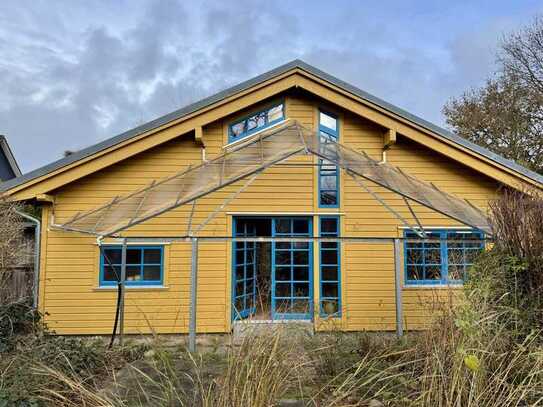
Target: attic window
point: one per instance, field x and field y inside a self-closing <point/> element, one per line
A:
<point x="255" y="122"/>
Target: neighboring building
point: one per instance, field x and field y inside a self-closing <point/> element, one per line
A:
<point x="8" y="166"/>
<point x="351" y="282"/>
<point x="21" y="277"/>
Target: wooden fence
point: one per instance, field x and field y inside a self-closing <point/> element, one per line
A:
<point x="16" y="284"/>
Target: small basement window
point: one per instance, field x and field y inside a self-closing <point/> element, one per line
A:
<point x="443" y="261"/>
<point x="255" y="122"/>
<point x="144" y="265"/>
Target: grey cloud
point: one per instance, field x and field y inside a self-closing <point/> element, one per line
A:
<point x="76" y="73"/>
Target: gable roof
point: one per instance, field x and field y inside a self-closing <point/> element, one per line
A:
<point x="8" y="165"/>
<point x="295" y="64"/>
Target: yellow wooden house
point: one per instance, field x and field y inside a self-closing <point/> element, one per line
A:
<point x="307" y="196"/>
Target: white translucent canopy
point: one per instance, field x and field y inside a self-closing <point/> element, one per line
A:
<point x="255" y="154"/>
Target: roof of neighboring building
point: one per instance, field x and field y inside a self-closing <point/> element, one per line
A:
<point x="253" y="82"/>
<point x="8" y="165"/>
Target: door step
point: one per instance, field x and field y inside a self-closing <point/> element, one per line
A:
<point x="242" y="329"/>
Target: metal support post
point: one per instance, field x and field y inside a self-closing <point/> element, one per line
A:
<point x="193" y="294"/>
<point x="123" y="287"/>
<point x="398" y="283"/>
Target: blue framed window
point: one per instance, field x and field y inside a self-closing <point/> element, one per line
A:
<point x="245" y="267"/>
<point x="292" y="264"/>
<point x="328" y="172"/>
<point x="330" y="272"/>
<point x="144" y="265"/>
<point x="255" y="122"/>
<point x="442" y="261"/>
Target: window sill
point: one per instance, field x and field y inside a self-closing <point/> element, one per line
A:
<point x="432" y="286"/>
<point x="119" y="242"/>
<point x="135" y="288"/>
<point x="334" y="317"/>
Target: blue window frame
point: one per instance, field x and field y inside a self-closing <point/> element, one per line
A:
<point x="292" y="269"/>
<point x="330" y="270"/>
<point x="255" y="122"/>
<point x="443" y="261"/>
<point x="144" y="265"/>
<point x="244" y="266"/>
<point x="328" y="172"/>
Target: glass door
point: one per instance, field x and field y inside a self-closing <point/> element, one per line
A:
<point x="292" y="293"/>
<point x="244" y="284"/>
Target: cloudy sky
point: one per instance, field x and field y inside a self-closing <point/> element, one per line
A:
<point x="73" y="73"/>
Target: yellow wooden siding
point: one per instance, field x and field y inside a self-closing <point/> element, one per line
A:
<point x="72" y="299"/>
<point x="70" y="262"/>
<point x="369" y="268"/>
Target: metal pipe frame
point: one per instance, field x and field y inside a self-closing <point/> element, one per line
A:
<point x="197" y="196"/>
<point x="114" y="232"/>
<point x="193" y="294"/>
<point x="101" y="218"/>
<point x="182" y="173"/>
<point x="398" y="287"/>
<point x="305" y="239"/>
<point x="424" y="235"/>
<point x="336" y="159"/>
<point x="396" y="241"/>
<point x="304" y="147"/>
<point x="123" y="289"/>
<point x="213" y="214"/>
<point x="395" y="190"/>
<point x="189" y="226"/>
<point x="385" y="205"/>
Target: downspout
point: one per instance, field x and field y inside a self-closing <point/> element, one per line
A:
<point x="37" y="248"/>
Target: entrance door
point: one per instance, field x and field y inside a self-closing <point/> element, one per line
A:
<point x="244" y="284"/>
<point x="291" y="270"/>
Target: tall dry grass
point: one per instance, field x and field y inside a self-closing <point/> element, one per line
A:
<point x="258" y="371"/>
<point x="13" y="251"/>
<point x="484" y="349"/>
<point x="468" y="357"/>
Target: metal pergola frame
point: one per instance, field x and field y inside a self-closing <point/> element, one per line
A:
<point x="395" y="241"/>
<point x="251" y="158"/>
<point x="308" y="143"/>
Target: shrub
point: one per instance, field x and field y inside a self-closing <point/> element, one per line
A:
<point x="16" y="319"/>
<point x="517" y="226"/>
<point x="470" y="357"/>
<point x="22" y="379"/>
<point x="357" y="368"/>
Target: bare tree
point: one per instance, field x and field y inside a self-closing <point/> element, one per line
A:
<point x="522" y="55"/>
<point x="506" y="114"/>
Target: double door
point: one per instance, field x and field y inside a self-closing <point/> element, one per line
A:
<point x="291" y="270"/>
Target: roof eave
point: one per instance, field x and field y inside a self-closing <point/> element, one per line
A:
<point x="244" y="86"/>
